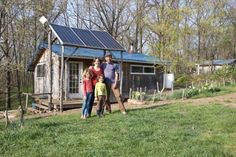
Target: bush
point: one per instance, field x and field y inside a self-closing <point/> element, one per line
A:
<point x="183" y="81"/>
<point x="176" y="95"/>
<point x="192" y="92"/>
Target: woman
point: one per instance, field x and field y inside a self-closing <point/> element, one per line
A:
<point x="96" y="71"/>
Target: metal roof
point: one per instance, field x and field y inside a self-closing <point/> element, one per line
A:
<point x="85" y="38"/>
<point x="74" y="52"/>
<point x="219" y="62"/>
<point x="86" y="53"/>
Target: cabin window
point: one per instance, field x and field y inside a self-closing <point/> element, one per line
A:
<point x="141" y="69"/>
<point x="41" y="70"/>
<point x="149" y="70"/>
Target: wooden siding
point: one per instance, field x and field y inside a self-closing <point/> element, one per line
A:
<point x="135" y="81"/>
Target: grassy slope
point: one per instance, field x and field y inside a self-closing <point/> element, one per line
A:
<point x="174" y="130"/>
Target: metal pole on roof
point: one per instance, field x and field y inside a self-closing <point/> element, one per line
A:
<point x="50" y="69"/>
<point x="61" y="79"/>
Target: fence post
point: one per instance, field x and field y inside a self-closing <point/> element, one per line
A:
<point x="183" y="93"/>
<point x="154" y="94"/>
<point x="141" y="95"/>
<point x="6" y="111"/>
<point x="130" y="93"/>
<point x="145" y="89"/>
<point x="158" y="90"/>
<point x="26" y="101"/>
<point x="172" y="87"/>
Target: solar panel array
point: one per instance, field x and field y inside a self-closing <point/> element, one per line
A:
<point x="85" y="38"/>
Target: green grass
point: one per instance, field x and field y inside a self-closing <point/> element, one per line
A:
<point x="172" y="130"/>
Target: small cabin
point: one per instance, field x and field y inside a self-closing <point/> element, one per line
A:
<point x="136" y="70"/>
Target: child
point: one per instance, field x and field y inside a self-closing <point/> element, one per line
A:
<point x="100" y="95"/>
<point x="87" y="92"/>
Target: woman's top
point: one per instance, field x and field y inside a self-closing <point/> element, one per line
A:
<point x="96" y="73"/>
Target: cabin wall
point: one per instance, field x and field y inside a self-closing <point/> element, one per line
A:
<point x="135" y="81"/>
<point x="42" y="84"/>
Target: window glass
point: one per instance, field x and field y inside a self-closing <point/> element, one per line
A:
<point x="41" y="70"/>
<point x="149" y="70"/>
<point x="136" y="69"/>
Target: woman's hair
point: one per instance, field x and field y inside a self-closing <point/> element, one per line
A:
<point x="94" y="60"/>
<point x="87" y="71"/>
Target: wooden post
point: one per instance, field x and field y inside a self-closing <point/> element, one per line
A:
<point x="50" y="69"/>
<point x="61" y="79"/>
<point x="145" y="89"/>
<point x="172" y="87"/>
<point x="158" y="90"/>
<point x="6" y="111"/>
<point x="66" y="80"/>
<point x="183" y="93"/>
<point x="130" y="93"/>
<point x="141" y="95"/>
<point x="26" y="101"/>
<point x="121" y="72"/>
<point x="154" y="94"/>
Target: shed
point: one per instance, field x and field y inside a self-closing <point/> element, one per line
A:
<point x="207" y="66"/>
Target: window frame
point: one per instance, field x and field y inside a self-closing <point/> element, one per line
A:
<point x="142" y="66"/>
<point x="43" y="65"/>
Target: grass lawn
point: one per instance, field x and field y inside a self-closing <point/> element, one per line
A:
<point x="172" y="130"/>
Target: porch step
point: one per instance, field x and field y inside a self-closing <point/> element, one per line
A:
<point x="41" y="106"/>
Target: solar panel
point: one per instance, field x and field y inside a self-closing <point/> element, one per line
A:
<point x="107" y="40"/>
<point x="88" y="38"/>
<point x="67" y="35"/>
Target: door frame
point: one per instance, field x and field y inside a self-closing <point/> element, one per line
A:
<point x="80" y="72"/>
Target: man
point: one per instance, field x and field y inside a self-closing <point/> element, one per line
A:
<point x="111" y="80"/>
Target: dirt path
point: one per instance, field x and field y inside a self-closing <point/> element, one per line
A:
<point x="228" y="100"/>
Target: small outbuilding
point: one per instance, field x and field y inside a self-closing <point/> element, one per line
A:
<point x="208" y="66"/>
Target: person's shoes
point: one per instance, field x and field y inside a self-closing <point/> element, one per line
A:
<point x="124" y="112"/>
<point x="107" y="111"/>
<point x="83" y="117"/>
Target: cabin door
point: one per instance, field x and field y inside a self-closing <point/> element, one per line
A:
<point x="75" y="79"/>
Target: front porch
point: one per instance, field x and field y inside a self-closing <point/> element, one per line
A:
<point x="43" y="103"/>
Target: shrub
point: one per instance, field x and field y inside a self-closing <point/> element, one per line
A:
<point x="183" y="80"/>
<point x="176" y="95"/>
<point x="192" y="92"/>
